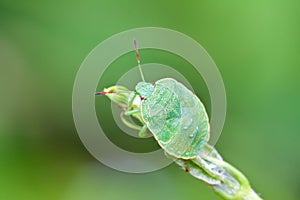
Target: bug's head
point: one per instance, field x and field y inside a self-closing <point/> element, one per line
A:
<point x="144" y="89"/>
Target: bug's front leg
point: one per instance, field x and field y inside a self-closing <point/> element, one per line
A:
<point x="143" y="132"/>
<point x="129" y="124"/>
<point x="132" y="112"/>
<point x="132" y="109"/>
<point x="142" y="129"/>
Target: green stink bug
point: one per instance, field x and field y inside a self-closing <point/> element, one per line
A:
<point x="171" y="112"/>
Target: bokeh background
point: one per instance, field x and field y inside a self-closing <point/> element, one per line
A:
<point x="255" y="44"/>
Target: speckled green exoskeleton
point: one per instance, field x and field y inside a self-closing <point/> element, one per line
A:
<point x="171" y="112"/>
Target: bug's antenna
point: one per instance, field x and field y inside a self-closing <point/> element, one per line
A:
<point x="138" y="58"/>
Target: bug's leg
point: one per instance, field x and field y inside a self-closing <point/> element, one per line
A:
<point x="130" y="108"/>
<point x="143" y="131"/>
<point x="131" y="98"/>
<point x="129" y="124"/>
<point x="131" y="112"/>
<point x="135" y="112"/>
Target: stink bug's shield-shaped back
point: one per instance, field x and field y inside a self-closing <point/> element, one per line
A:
<point x="177" y="119"/>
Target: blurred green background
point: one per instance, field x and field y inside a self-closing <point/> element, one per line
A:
<point x="255" y="44"/>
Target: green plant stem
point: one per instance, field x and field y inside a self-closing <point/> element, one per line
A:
<point x="245" y="192"/>
<point x="252" y="195"/>
<point x="228" y="182"/>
